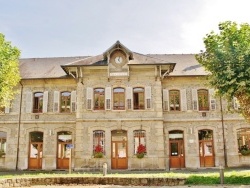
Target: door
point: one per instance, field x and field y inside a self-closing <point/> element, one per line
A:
<point x="119" y="159"/>
<point x="206" y="154"/>
<point x="206" y="149"/>
<point x="176" y="149"/>
<point x="63" y="152"/>
<point x="177" y="159"/>
<point x="35" y="150"/>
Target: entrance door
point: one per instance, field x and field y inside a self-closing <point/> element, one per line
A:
<point x="176" y="150"/>
<point x="206" y="148"/>
<point x="35" y="150"/>
<point x="63" y="152"/>
<point x="119" y="158"/>
<point x="177" y="159"/>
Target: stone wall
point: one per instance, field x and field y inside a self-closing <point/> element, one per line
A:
<point x="26" y="182"/>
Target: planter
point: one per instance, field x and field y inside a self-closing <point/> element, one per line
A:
<point x="140" y="155"/>
<point x="98" y="155"/>
<point x="245" y="152"/>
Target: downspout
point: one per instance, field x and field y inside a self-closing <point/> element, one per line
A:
<point x="223" y="133"/>
<point x="19" y="125"/>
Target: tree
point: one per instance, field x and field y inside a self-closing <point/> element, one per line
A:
<point x="227" y="58"/>
<point x="9" y="71"/>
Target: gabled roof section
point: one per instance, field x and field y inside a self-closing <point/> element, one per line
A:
<point x="89" y="61"/>
<point x="118" y="45"/>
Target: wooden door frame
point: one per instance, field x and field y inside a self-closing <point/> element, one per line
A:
<point x="39" y="157"/>
<point x="57" y="157"/>
<point x="116" y="142"/>
<point x="180" y="159"/>
<point x="203" y="158"/>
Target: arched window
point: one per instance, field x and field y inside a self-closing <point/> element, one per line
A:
<point x="99" y="141"/>
<point x="139" y="138"/>
<point x="99" y="98"/>
<point x="119" y="98"/>
<point x="205" y="135"/>
<point x="65" y="101"/>
<point x="203" y="100"/>
<point x="3" y="137"/>
<point x="139" y="100"/>
<point x="243" y="137"/>
<point x="174" y="100"/>
<point x="38" y="102"/>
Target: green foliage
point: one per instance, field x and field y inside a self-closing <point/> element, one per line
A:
<point x="9" y="71"/>
<point x="245" y="152"/>
<point x="227" y="58"/>
<point x="202" y="180"/>
<point x="242" y="178"/>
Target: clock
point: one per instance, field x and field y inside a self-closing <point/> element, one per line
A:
<point x="118" y="59"/>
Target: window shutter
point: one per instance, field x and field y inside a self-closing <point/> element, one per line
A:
<point x="28" y="102"/>
<point x="73" y="101"/>
<point x="195" y="99"/>
<point x="89" y="98"/>
<point x="56" y="101"/>
<point x="45" y="102"/>
<point x="129" y="96"/>
<point x="183" y="100"/>
<point x="236" y="104"/>
<point x="165" y="99"/>
<point x="7" y="108"/>
<point x="148" y="97"/>
<point x="212" y="99"/>
<point x="108" y="98"/>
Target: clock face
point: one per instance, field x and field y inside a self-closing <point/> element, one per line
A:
<point x="118" y="59"/>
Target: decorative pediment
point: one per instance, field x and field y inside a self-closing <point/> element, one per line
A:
<point x="116" y="47"/>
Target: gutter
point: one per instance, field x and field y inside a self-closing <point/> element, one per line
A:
<point x="19" y="125"/>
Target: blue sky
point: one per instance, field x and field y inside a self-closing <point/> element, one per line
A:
<point x="59" y="28"/>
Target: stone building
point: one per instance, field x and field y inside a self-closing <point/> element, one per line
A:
<point x="84" y="111"/>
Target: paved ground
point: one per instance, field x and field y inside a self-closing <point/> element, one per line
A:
<point x="117" y="186"/>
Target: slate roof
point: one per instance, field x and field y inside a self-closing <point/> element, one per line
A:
<point x="35" y="68"/>
<point x="186" y="64"/>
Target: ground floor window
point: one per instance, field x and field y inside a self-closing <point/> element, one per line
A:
<point x="98" y="142"/>
<point x="139" y="139"/>
<point x="3" y="136"/>
<point x="243" y="137"/>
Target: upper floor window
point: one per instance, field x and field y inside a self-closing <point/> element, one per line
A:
<point x="203" y="100"/>
<point x="139" y="139"/>
<point x="119" y="99"/>
<point x="138" y="97"/>
<point x="99" y="141"/>
<point x="3" y="136"/>
<point x="38" y="102"/>
<point x="65" y="101"/>
<point x="99" y="98"/>
<point x="174" y="100"/>
<point x="2" y="109"/>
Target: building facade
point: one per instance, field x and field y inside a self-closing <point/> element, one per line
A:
<point x="84" y="111"/>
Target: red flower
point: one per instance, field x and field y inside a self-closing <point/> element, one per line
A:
<point x="141" y="149"/>
<point x="98" y="149"/>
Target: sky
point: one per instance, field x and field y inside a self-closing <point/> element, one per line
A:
<point x="63" y="28"/>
